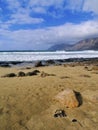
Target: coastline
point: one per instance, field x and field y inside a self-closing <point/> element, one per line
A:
<point x="48" y="62"/>
<point x="27" y="102"/>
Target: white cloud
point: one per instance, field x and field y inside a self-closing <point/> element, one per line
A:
<point x="24" y="19"/>
<point x="43" y="38"/>
<point x="39" y="38"/>
<point x="79" y="5"/>
<point x="91" y="5"/>
<point x="46" y="3"/>
<point x="74" y="5"/>
<point x="0" y="10"/>
<point x="13" y="4"/>
<point x="22" y="10"/>
<point x="40" y="10"/>
<point x="83" y="5"/>
<point x="20" y="14"/>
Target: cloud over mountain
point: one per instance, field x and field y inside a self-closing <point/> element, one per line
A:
<point x="37" y="24"/>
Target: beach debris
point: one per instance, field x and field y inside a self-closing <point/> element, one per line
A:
<point x="59" y="113"/>
<point x="64" y="77"/>
<point x="43" y="74"/>
<point x="35" y="72"/>
<point x="10" y="75"/>
<point x="85" y="75"/>
<point x="50" y="62"/>
<point x="68" y="98"/>
<point x="5" y="65"/>
<point x="94" y="72"/>
<point x="21" y="74"/>
<point x="74" y="120"/>
<point x="38" y="64"/>
<point x="1" y="110"/>
<point x="88" y="68"/>
<point x="28" y="68"/>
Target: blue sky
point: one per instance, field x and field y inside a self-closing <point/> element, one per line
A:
<point x="39" y="24"/>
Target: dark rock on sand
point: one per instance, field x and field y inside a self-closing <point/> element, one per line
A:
<point x="84" y="75"/>
<point x="21" y="74"/>
<point x="59" y="113"/>
<point x="28" y="68"/>
<point x="38" y="64"/>
<point x="10" y="75"/>
<point x="48" y="62"/>
<point x="35" y="72"/>
<point x="15" y="62"/>
<point x="4" y="65"/>
<point x="74" y="120"/>
<point x="43" y="74"/>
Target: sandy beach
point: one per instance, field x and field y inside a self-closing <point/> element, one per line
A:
<point x="28" y="103"/>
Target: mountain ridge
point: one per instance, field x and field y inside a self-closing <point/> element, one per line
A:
<point x="86" y="44"/>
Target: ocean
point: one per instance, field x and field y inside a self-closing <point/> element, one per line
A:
<point x="45" y="55"/>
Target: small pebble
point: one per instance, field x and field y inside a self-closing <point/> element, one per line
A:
<point x="74" y="120"/>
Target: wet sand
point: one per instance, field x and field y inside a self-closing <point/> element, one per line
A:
<point x="27" y="103"/>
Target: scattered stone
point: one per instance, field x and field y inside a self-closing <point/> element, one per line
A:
<point x="5" y="65"/>
<point x="10" y="75"/>
<point x="15" y="62"/>
<point x="64" y="77"/>
<point x="88" y="68"/>
<point x="38" y="64"/>
<point x="50" y="62"/>
<point x="74" y="120"/>
<point x="59" y="113"/>
<point x="28" y="68"/>
<point x="21" y="74"/>
<point x="1" y="110"/>
<point x="68" y="98"/>
<point x="94" y="72"/>
<point x="43" y="74"/>
<point x="30" y="74"/>
<point x="87" y="76"/>
<point x="35" y="72"/>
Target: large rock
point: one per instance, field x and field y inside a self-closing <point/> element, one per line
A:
<point x="68" y="98"/>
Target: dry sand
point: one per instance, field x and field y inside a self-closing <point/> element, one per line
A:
<point x="27" y="103"/>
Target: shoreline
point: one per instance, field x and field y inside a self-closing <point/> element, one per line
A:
<point x="48" y="62"/>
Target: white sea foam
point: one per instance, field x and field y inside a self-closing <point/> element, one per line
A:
<point x="33" y="56"/>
